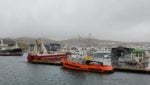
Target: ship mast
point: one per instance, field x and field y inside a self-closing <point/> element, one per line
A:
<point x="43" y="48"/>
<point x="16" y="46"/>
<point x="2" y="43"/>
<point x="90" y="39"/>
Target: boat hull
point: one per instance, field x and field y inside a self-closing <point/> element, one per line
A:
<point x="85" y="67"/>
<point x="11" y="54"/>
<point x="47" y="58"/>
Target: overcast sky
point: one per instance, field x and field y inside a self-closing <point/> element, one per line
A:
<point x="123" y="20"/>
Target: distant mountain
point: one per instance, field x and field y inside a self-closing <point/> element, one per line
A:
<point x="29" y="40"/>
<point x="88" y="42"/>
<point x="71" y="41"/>
<point x="84" y="42"/>
<point x="23" y="42"/>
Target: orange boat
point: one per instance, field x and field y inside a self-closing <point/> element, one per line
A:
<point x="99" y="67"/>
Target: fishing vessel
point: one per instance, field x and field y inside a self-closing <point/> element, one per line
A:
<point x="10" y="49"/>
<point x="78" y="63"/>
<point x="95" y="67"/>
<point x="103" y="55"/>
<point x="39" y="54"/>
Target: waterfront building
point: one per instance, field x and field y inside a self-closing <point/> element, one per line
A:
<point x="138" y="55"/>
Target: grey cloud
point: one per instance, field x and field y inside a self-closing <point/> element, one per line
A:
<point x="62" y="19"/>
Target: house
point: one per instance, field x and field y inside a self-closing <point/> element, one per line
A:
<point x="138" y="55"/>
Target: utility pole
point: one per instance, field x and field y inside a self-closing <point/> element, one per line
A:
<point x="90" y="39"/>
<point x="79" y="37"/>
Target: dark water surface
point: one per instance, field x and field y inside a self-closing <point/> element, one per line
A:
<point x="16" y="71"/>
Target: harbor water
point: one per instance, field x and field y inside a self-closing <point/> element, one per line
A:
<point x="15" y="70"/>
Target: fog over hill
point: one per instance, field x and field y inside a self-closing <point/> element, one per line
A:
<point x="86" y="41"/>
<point x="32" y="40"/>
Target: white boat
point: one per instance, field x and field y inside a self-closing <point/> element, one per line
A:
<point x="103" y="56"/>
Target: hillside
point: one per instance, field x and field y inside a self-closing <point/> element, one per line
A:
<point x="84" y="42"/>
